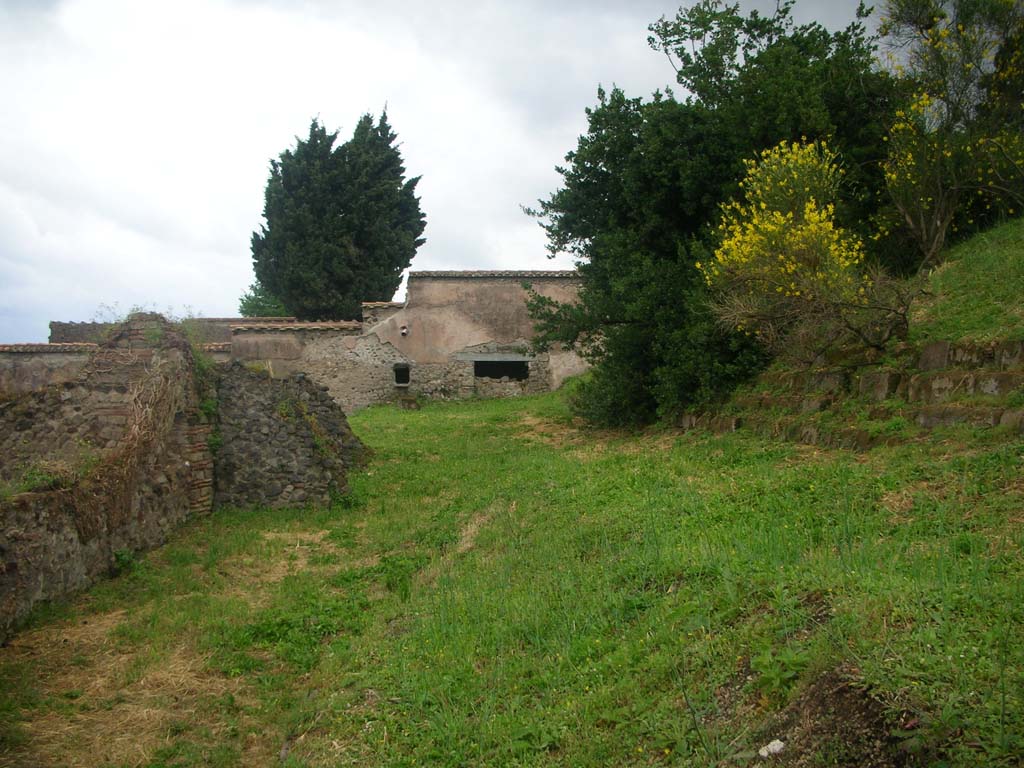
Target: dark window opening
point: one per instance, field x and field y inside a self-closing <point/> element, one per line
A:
<point x="516" y="370"/>
<point x="401" y="375"/>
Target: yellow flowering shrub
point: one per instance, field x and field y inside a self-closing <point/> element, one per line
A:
<point x="783" y="262"/>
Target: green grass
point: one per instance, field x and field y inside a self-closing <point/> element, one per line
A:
<point x="977" y="291"/>
<point x="501" y="589"/>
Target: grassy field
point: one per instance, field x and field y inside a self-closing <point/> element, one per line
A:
<point x="504" y="589"/>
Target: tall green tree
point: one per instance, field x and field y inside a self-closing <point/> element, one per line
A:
<point x="342" y="223"/>
<point x="642" y="190"/>
<point x="638" y="189"/>
<point x="259" y="302"/>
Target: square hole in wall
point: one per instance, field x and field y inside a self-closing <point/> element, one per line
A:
<point x="515" y="370"/>
<point x="401" y="374"/>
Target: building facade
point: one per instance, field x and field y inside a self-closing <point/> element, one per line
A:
<point x="457" y="335"/>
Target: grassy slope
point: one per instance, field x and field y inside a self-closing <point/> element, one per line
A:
<point x="507" y="591"/>
<point x="978" y="292"/>
<point x="502" y="589"/>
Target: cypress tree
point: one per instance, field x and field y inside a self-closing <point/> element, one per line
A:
<point x="342" y="223"/>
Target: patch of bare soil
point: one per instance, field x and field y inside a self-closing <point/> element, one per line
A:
<point x="587" y="444"/>
<point x="298" y="546"/>
<point x="112" y="706"/>
<point x="466" y="542"/>
<point x="833" y="722"/>
<point x="285" y="553"/>
<point x="540" y="430"/>
<point x="469" y="532"/>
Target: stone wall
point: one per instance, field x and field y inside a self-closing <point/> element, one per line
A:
<point x="76" y="333"/>
<point x="30" y="367"/>
<point x="283" y="442"/>
<point x="359" y="370"/>
<point x="377" y="311"/>
<point x="447" y="318"/>
<point x="120" y="458"/>
<point x="68" y="424"/>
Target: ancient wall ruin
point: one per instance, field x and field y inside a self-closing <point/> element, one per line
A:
<point x="199" y="330"/>
<point x="108" y="458"/>
<point x="29" y="367"/>
<point x="100" y="467"/>
<point x="282" y="442"/>
<point x="458" y="335"/>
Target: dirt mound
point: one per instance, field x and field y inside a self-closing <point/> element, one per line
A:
<point x="835" y="723"/>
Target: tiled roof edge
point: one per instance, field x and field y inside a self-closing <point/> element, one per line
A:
<point x="66" y="346"/>
<point x="340" y="325"/>
<point x="520" y="274"/>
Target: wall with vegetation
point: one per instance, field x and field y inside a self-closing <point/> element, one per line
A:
<point x="99" y="469"/>
<point x="280" y="442"/>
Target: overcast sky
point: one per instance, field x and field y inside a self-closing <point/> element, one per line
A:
<point x="135" y="135"/>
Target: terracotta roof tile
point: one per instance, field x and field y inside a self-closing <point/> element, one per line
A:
<point x="497" y="273"/>
<point x="338" y="325"/>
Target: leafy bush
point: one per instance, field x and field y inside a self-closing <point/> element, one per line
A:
<point x="786" y="273"/>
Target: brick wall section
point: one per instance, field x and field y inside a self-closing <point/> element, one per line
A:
<point x="283" y="442"/>
<point x="135" y="405"/>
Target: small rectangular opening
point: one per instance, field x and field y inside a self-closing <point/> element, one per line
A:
<point x="516" y="370"/>
<point x="401" y="374"/>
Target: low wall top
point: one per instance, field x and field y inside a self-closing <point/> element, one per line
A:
<point x="495" y="273"/>
<point x="79" y="346"/>
<point x="339" y="325"/>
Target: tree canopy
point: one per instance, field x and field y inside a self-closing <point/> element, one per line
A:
<point x="342" y="223"/>
<point x="642" y="190"/>
<point x="258" y="302"/>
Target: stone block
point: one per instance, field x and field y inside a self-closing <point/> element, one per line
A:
<point x="879" y="385"/>
<point x="937" y="388"/>
<point x="830" y="381"/>
<point x="689" y="421"/>
<point x="809" y="434"/>
<point x="934" y="356"/>
<point x="948" y="415"/>
<point x="999" y="383"/>
<point x="1013" y="419"/>
<point x="722" y="424"/>
<point x="815" y="404"/>
<point x="1010" y="355"/>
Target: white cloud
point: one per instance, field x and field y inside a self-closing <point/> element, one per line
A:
<point x="135" y="137"/>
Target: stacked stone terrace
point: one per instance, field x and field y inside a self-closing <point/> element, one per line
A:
<point x="940" y="385"/>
